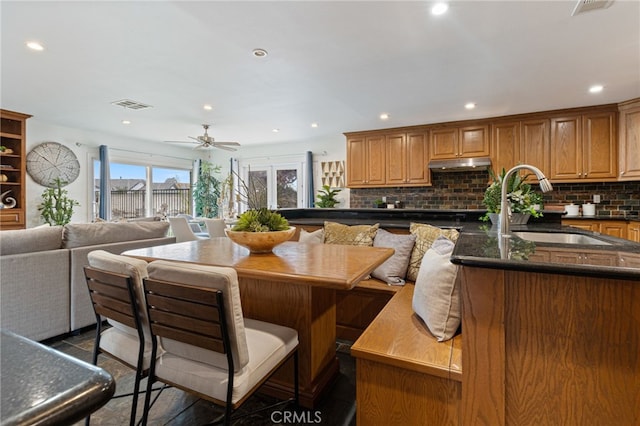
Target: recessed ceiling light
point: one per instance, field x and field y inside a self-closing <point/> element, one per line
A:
<point x="597" y="88"/>
<point x="470" y="105"/>
<point x="259" y="53"/>
<point x="275" y="130"/>
<point x="384" y="116"/>
<point x="34" y="45"/>
<point x="314" y="125"/>
<point x="207" y="107"/>
<point x="439" y="8"/>
<point x="126" y="122"/>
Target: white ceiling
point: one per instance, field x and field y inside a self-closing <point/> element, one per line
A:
<point x="339" y="64"/>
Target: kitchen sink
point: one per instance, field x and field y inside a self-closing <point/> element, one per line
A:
<point x="559" y="238"/>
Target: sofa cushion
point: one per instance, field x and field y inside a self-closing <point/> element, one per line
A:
<point x="86" y="234"/>
<point x="394" y="269"/>
<point x="356" y="235"/>
<point x="436" y="298"/>
<point x="30" y="240"/>
<point x="425" y="236"/>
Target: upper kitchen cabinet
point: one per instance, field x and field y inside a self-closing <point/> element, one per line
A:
<point x="366" y="161"/>
<point x="583" y="147"/>
<point x="629" y="144"/>
<point x="520" y="142"/>
<point x="505" y="146"/>
<point x="12" y="169"/>
<point x="407" y="159"/>
<point x="459" y="142"/>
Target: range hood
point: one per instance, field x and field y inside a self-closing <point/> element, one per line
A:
<point x="460" y="164"/>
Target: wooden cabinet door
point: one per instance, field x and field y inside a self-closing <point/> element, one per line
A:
<point x="396" y="170"/>
<point x="418" y="172"/>
<point x="615" y="228"/>
<point x="443" y="144"/>
<point x="566" y="149"/>
<point x="535" y="144"/>
<point x="376" y="160"/>
<point x="630" y="141"/>
<point x="473" y="141"/>
<point x="599" y="147"/>
<point x="588" y="225"/>
<point x="505" y="146"/>
<point x="356" y="162"/>
<point x="633" y="231"/>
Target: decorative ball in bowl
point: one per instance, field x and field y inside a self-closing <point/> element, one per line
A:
<point x="260" y="242"/>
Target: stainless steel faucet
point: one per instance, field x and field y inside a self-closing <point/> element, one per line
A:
<point x="505" y="208"/>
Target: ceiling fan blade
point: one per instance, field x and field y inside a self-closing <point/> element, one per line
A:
<point x="227" y="143"/>
<point x="180" y="142"/>
<point x="226" y="148"/>
<point x="197" y="139"/>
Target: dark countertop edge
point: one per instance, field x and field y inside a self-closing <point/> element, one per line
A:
<point x="618" y="272"/>
<point x="620" y="218"/>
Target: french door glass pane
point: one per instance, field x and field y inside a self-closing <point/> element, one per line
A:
<point x="257" y="191"/>
<point x="286" y="188"/>
<point x="171" y="192"/>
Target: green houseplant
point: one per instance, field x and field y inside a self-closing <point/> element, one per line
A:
<point x="207" y="190"/>
<point x="520" y="195"/>
<point x="327" y="197"/>
<point x="56" y="207"/>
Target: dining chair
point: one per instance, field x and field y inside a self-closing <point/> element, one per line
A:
<point x="181" y="229"/>
<point x="215" y="227"/>
<point x="115" y="286"/>
<point x="209" y="349"/>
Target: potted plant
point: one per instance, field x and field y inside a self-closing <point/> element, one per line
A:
<point x="56" y="207"/>
<point x="523" y="200"/>
<point x="327" y="197"/>
<point x="379" y="204"/>
<point x="207" y="190"/>
<point x="260" y="230"/>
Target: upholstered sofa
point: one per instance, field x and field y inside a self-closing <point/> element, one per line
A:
<point x="42" y="288"/>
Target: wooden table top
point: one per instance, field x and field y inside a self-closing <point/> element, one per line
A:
<point x="326" y="265"/>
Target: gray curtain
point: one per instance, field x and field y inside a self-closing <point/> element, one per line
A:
<point x="310" y="191"/>
<point x="105" y="184"/>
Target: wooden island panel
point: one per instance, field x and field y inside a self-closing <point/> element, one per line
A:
<point x="546" y="349"/>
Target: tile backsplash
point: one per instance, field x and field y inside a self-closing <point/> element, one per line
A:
<point x="465" y="190"/>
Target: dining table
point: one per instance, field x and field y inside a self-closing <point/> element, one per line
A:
<point x="294" y="285"/>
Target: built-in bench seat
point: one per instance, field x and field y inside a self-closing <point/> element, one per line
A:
<point x="403" y="374"/>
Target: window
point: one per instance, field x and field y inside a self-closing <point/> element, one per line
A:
<point x="275" y="187"/>
<point x="130" y="198"/>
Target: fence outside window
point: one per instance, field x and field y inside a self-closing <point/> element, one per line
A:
<point x="131" y="204"/>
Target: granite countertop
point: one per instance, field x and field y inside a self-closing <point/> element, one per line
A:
<point x="43" y="386"/>
<point x="614" y="258"/>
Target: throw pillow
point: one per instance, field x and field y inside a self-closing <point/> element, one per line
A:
<point x="394" y="270"/>
<point x="356" y="235"/>
<point x="436" y="297"/>
<point x="315" y="237"/>
<point x="425" y="236"/>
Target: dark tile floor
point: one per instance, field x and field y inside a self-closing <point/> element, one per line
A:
<point x="175" y="407"/>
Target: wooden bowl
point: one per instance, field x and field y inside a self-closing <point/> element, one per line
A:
<point x="260" y="242"/>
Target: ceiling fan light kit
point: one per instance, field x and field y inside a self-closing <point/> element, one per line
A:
<point x="206" y="141"/>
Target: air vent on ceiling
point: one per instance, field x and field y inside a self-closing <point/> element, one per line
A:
<point x="128" y="103"/>
<point x="588" y="5"/>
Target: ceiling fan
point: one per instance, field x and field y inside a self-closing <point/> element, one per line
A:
<point x="206" y="141"/>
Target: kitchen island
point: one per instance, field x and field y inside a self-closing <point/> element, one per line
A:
<point x="551" y="332"/>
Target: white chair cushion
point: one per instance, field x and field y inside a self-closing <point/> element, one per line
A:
<point x="220" y="278"/>
<point x="268" y="344"/>
<point x="125" y="347"/>
<point x="137" y="270"/>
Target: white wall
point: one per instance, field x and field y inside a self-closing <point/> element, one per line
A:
<point x="85" y="144"/>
